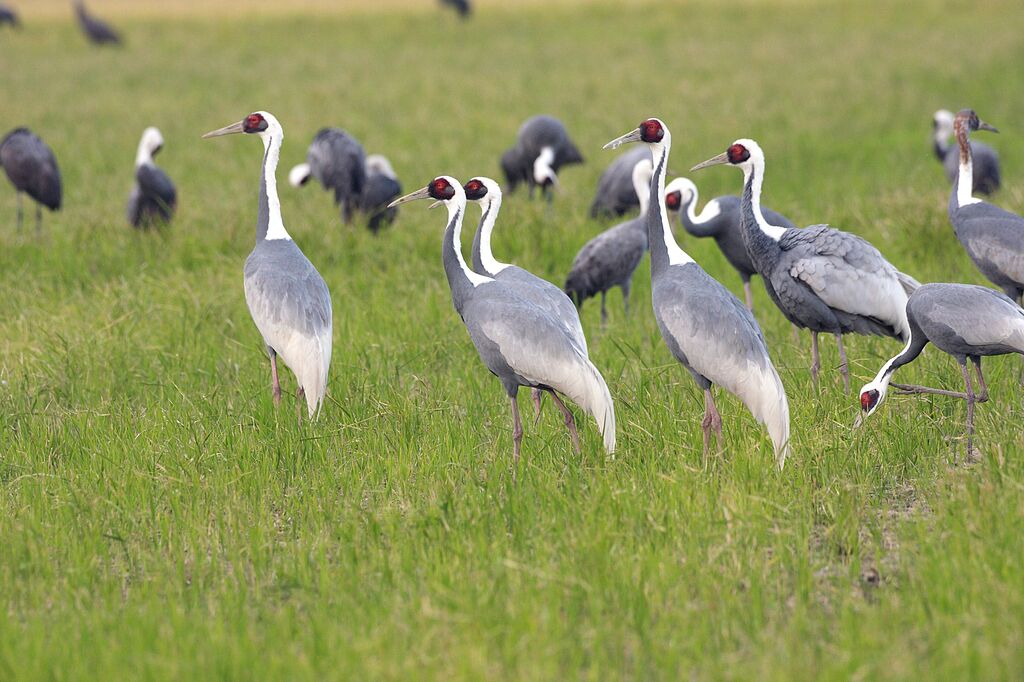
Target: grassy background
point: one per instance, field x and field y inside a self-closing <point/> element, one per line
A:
<point x="159" y="519"/>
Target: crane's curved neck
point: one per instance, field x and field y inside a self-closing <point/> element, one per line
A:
<point x="664" y="249"/>
<point x="269" y="225"/>
<point x="753" y="177"/>
<point x="483" y="259"/>
<point x="965" y="177"/>
<point x="700" y="225"/>
<point x="461" y="280"/>
<point x="915" y="344"/>
<point x="143" y="156"/>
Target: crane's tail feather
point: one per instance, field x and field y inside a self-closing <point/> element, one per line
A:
<point x="768" y="403"/>
<point x="299" y="175"/>
<point x="596" y="399"/>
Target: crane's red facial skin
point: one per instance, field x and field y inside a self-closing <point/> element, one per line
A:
<point x="868" y="399"/>
<point x="738" y="153"/>
<point x="673" y="200"/>
<point x="651" y="131"/>
<point x="475" y="190"/>
<point x="441" y="189"/>
<point x="254" y="123"/>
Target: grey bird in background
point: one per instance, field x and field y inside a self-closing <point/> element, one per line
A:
<point x="287" y="297"/>
<point x="986" y="160"/>
<point x="518" y="342"/>
<point x="461" y="6"/>
<point x="610" y="259"/>
<point x="9" y="16"/>
<point x="380" y="189"/>
<point x="95" y="29"/>
<point x="338" y="162"/>
<point x="708" y="330"/>
<point x="964" y="320"/>
<point x="542" y="147"/>
<point x="992" y="237"/>
<point x="32" y="168"/>
<point x="153" y="197"/>
<point x="537" y="291"/>
<point x="822" y="279"/>
<point x="721" y="220"/>
<point x="615" y="193"/>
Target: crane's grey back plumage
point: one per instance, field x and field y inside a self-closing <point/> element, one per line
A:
<point x="31" y="167"/>
<point x="338" y="162"/>
<point x="153" y="196"/>
<point x="966" y="319"/>
<point x="381" y="188"/>
<point x="986" y="171"/>
<point x="534" y="136"/>
<point x="615" y="194"/>
<point x="95" y="29"/>
<point x="463" y="7"/>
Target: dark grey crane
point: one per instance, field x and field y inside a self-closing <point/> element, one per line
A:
<point x="615" y="193"/>
<point x="542" y="147"/>
<point x="463" y="7"/>
<point x="964" y="320"/>
<point x="338" y="162"/>
<point x="95" y="29"/>
<point x="153" y="197"/>
<point x="822" y="279"/>
<point x="32" y="168"/>
<point x="610" y="259"/>
<point x="705" y="327"/>
<point x="9" y="16"/>
<point x="992" y="237"/>
<point x="721" y="220"/>
<point x="287" y="297"/>
<point x="534" y="289"/>
<point x="518" y="342"/>
<point x="380" y="189"/>
<point x="986" y="160"/>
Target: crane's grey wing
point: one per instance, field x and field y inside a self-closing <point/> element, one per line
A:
<point x="994" y="238"/>
<point x="615" y="193"/>
<point x="607" y="260"/>
<point x="157" y="187"/>
<point x="548" y="298"/>
<point x="338" y="162"/>
<point x="979" y="316"/>
<point x="379" y="191"/>
<point x="32" y="167"/>
<point x="284" y="290"/>
<point x="134" y="209"/>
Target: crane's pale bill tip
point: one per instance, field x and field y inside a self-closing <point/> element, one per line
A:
<point x="986" y="126"/>
<point x="226" y="130"/>
<point x="631" y="136"/>
<point x="720" y="159"/>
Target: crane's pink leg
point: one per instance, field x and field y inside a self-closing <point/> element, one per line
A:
<point x="748" y="293"/>
<point x="21" y="212"/>
<point x="983" y="398"/>
<point x="815" y="359"/>
<point x="909" y="389"/>
<point x="712" y="422"/>
<point x="844" y="367"/>
<point x="517" y="436"/>
<point x="570" y="422"/>
<point x="970" y="409"/>
<point x="604" y="312"/>
<point x="538" y="397"/>
<point x="276" y="389"/>
<point x="300" y="399"/>
<point x="796" y="334"/>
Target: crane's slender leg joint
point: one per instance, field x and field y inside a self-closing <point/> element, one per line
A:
<point x="983" y="397"/>
<point x="970" y="408"/>
<point x="815" y="359"/>
<point x="748" y="294"/>
<point x="844" y="367"/>
<point x="538" y="397"/>
<point x="517" y="436"/>
<point x="625" y="296"/>
<point x="570" y="421"/>
<point x="604" y="311"/>
<point x="276" y="384"/>
<point x="39" y="219"/>
<point x="21" y="212"/>
<point x="712" y="422"/>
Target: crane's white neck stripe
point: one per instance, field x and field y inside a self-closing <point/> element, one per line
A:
<point x="455" y="213"/>
<point x="275" y="225"/>
<point x="773" y="231"/>
<point x="542" y="165"/>
<point x="676" y="256"/>
<point x="711" y="211"/>
<point x="965" y="182"/>
<point x="492" y="205"/>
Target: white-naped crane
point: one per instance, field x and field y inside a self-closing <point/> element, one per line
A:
<point x="542" y="148"/>
<point x="985" y="159"/>
<point x="610" y="259"/>
<point x="95" y="29"/>
<point x="517" y="341"/>
<point x="9" y="16"/>
<point x="153" y="197"/>
<point x="338" y="162"/>
<point x="287" y="297"/>
<point x="993" y="237"/>
<point x="32" y="168"/>
<point x="963" y="320"/>
<point x="615" y="193"/>
<point x="381" y="188"/>
<point x="708" y="330"/>
<point x="822" y="279"/>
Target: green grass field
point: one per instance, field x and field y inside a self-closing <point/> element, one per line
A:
<point x="159" y="519"/>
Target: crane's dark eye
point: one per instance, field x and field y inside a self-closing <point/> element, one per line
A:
<point x="651" y="131"/>
<point x="868" y="399"/>
<point x="475" y="190"/>
<point x="441" y="189"/>
<point x="673" y="200"/>
<point x="254" y="123"/>
<point x="738" y="153"/>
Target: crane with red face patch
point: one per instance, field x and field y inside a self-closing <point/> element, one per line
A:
<point x="518" y="341"/>
<point x="287" y="298"/>
<point x="706" y="328"/>
<point x="822" y="279"/>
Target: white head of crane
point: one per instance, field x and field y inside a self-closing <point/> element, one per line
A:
<point x="151" y="143"/>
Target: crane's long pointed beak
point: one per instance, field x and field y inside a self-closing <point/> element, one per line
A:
<point x="423" y="193"/>
<point x="226" y="130"/>
<point x="720" y="159"/>
<point x="631" y="136"/>
<point x="862" y="416"/>
<point x="985" y="126"/>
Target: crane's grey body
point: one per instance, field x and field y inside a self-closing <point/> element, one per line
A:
<point x="381" y="188"/>
<point x="986" y="172"/>
<point x="963" y="320"/>
<point x="8" y="16"/>
<point x="338" y="162"/>
<point x="32" y="168"/>
<point x="615" y="193"/>
<point x="463" y="7"/>
<point x="536" y="135"/>
<point x="95" y="29"/>
<point x="153" y="197"/>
